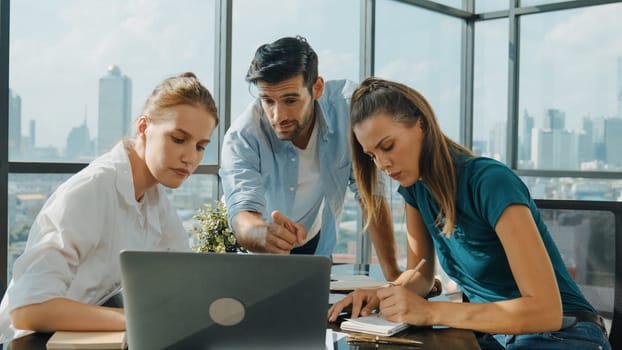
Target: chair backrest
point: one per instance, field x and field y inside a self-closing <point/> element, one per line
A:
<point x="589" y="237"/>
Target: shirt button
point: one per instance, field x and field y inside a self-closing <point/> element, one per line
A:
<point x="291" y="189"/>
<point x="293" y="159"/>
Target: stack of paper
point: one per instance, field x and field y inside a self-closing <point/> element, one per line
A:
<point x="87" y="340"/>
<point x="373" y="324"/>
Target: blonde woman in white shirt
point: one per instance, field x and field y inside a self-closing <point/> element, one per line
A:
<point x="71" y="261"/>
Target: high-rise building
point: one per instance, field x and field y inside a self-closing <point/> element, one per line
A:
<point x="497" y="144"/>
<point x="79" y="143"/>
<point x="554" y="149"/>
<point x="15" y="124"/>
<point x="619" y="87"/>
<point x="524" y="145"/>
<point x="586" y="141"/>
<point x="115" y="108"/>
<point x="554" y="119"/>
<point x="32" y="133"/>
<point x="613" y="142"/>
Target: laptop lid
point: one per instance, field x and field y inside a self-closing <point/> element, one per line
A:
<point x="183" y="300"/>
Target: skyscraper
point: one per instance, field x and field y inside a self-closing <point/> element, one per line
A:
<point x="554" y="119"/>
<point x="613" y="142"/>
<point x="524" y="145"/>
<point x="115" y="108"/>
<point x="619" y="87"/>
<point x="15" y="124"/>
<point x="79" y="143"/>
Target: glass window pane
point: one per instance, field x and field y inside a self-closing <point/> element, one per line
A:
<point x="490" y="5"/>
<point x="459" y="4"/>
<point x="574" y="188"/>
<point x="490" y="89"/>
<point x="80" y="76"/>
<point x="330" y="27"/>
<point x="28" y="193"/>
<point x="570" y="85"/>
<point x="421" y="49"/>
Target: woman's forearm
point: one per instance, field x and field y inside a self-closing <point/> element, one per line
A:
<point x="69" y="315"/>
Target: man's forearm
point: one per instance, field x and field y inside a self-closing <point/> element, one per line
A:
<point x="249" y="229"/>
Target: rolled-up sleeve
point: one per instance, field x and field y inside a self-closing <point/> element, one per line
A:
<point x="241" y="176"/>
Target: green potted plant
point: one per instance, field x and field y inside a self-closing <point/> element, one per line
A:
<point x="212" y="232"/>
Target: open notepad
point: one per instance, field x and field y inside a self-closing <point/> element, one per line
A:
<point x="373" y="324"/>
<point x="87" y="340"/>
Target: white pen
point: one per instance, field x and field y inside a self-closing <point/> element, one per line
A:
<point x="414" y="271"/>
<point x="412" y="274"/>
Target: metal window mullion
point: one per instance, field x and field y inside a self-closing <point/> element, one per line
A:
<point x="513" y="80"/>
<point x="4" y="143"/>
<point x="439" y="8"/>
<point x="466" y="78"/>
<point x="366" y="58"/>
<point x="222" y="73"/>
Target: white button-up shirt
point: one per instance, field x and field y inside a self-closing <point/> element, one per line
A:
<point x="74" y="244"/>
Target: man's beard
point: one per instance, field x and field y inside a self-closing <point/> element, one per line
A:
<point x="299" y="128"/>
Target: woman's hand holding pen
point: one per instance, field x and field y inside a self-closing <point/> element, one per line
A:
<point x="399" y="304"/>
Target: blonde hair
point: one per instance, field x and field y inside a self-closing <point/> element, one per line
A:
<point x="182" y="89"/>
<point x="437" y="168"/>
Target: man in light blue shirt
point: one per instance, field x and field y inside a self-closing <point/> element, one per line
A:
<point x="286" y="159"/>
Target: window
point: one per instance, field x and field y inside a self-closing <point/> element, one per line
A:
<point x="330" y="27"/>
<point x="490" y="89"/>
<point x="569" y="90"/>
<point x="78" y="80"/>
<point x="422" y="49"/>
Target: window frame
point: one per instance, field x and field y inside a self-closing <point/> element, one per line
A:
<point x="222" y="93"/>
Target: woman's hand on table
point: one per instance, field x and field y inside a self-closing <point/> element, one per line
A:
<point x="362" y="300"/>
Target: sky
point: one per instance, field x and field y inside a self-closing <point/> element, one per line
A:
<point x="59" y="49"/>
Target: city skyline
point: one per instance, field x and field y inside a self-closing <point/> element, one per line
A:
<point x="554" y="135"/>
<point x="117" y="36"/>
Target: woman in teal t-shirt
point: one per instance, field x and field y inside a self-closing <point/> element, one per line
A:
<point x="480" y="219"/>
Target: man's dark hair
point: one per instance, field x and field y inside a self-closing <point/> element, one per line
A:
<point x="283" y="59"/>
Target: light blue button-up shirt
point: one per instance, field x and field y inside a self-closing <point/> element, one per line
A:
<point x="259" y="171"/>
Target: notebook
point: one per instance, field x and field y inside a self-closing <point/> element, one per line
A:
<point x="224" y="301"/>
<point x="373" y="324"/>
<point x="347" y="283"/>
<point x="62" y="340"/>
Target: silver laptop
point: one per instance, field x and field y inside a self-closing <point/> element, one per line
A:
<point x="224" y="301"/>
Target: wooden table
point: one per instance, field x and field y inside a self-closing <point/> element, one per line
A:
<point x="457" y="339"/>
<point x="432" y="338"/>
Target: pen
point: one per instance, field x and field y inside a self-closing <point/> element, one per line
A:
<point x="412" y="273"/>
<point x="382" y="340"/>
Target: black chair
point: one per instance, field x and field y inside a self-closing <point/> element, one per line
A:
<point x="589" y="237"/>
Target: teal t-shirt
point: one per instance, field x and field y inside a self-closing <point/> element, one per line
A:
<point x="473" y="256"/>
